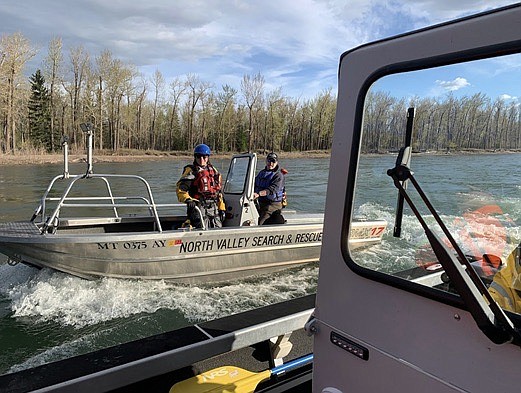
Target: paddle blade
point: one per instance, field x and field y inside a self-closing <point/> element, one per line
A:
<point x="226" y="379"/>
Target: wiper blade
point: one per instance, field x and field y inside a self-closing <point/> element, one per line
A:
<point x="404" y="159"/>
<point x="489" y="317"/>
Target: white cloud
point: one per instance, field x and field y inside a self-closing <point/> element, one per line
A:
<point x="436" y="11"/>
<point x="453" y="85"/>
<point x="507" y="97"/>
<point x="296" y="43"/>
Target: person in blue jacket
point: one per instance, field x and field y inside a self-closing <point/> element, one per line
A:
<point x="270" y="192"/>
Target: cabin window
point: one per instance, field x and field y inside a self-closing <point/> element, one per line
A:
<point x="466" y="158"/>
<point x="237" y="175"/>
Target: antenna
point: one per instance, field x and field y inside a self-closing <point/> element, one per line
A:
<point x="88" y="129"/>
<point x="65" y="146"/>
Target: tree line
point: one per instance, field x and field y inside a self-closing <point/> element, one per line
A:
<point x="131" y="111"/>
<point x="467" y="123"/>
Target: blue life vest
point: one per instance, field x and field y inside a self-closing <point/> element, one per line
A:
<point x="263" y="181"/>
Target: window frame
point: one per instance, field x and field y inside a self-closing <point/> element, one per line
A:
<point x="370" y="62"/>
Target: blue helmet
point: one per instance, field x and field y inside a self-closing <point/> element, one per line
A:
<point x="202" y="149"/>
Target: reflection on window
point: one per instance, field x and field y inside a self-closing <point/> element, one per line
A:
<point x="467" y="159"/>
<point x="236" y="179"/>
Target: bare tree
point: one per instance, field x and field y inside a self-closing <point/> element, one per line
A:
<point x="103" y="68"/>
<point x="196" y="91"/>
<point x="225" y="102"/>
<point x="177" y="90"/>
<point x="290" y="108"/>
<point x="158" y="84"/>
<point x="252" y="88"/>
<point x="115" y="81"/>
<point x="140" y="99"/>
<point x="79" y="63"/>
<point x="15" y="51"/>
<point x="121" y="76"/>
<point x="273" y="131"/>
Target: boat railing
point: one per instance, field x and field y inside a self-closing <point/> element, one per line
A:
<point x="50" y="221"/>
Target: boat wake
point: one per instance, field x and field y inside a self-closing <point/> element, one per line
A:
<point x="482" y="228"/>
<point x="46" y="295"/>
<point x="78" y="316"/>
<point x="81" y="316"/>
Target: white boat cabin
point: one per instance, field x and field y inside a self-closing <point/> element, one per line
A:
<point x="238" y="191"/>
<point x="419" y="312"/>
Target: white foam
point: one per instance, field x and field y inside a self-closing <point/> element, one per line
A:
<point x="71" y="301"/>
<point x="206" y="303"/>
<point x="475" y="233"/>
<point x="47" y="295"/>
<point x="14" y="275"/>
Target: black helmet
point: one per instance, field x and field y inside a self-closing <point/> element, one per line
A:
<point x="272" y="157"/>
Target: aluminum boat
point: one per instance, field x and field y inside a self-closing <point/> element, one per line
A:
<point x="424" y="329"/>
<point x="82" y="227"/>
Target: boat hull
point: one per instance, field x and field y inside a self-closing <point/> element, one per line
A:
<point x="191" y="256"/>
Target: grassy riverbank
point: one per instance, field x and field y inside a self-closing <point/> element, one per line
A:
<point x="36" y="158"/>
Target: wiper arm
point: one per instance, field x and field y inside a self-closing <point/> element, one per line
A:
<point x="489" y="317"/>
<point x="404" y="158"/>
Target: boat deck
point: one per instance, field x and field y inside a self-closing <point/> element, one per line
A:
<point x="19" y="229"/>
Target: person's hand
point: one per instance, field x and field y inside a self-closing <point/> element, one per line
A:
<point x="222" y="215"/>
<point x="191" y="203"/>
<point x="255" y="195"/>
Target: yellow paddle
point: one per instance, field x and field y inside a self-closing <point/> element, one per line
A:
<point x="228" y="379"/>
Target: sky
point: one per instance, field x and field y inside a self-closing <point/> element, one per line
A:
<point x="294" y="44"/>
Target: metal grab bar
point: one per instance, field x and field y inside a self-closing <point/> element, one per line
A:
<point x="52" y="220"/>
<point x="112" y="199"/>
<point x="62" y="201"/>
<point x="105" y="205"/>
<point x="99" y="198"/>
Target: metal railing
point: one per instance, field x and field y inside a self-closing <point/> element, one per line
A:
<point x="52" y="220"/>
<point x="94" y="202"/>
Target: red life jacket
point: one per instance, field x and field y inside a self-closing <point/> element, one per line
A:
<point x="206" y="184"/>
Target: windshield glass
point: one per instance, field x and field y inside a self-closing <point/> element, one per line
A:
<point x="236" y="178"/>
<point x="466" y="157"/>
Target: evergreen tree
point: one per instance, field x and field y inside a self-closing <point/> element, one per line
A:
<point x="39" y="112"/>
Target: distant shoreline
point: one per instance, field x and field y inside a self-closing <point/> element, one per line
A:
<point x="42" y="159"/>
<point x="135" y="156"/>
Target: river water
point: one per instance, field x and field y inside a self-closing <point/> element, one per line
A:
<point x="46" y="315"/>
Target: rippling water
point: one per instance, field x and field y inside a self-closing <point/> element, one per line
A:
<point x="45" y="315"/>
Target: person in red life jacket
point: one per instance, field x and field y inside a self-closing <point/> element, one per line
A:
<point x="270" y="192"/>
<point x="200" y="188"/>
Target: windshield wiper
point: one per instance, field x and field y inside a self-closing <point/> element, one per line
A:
<point x="404" y="159"/>
<point x="489" y="317"/>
